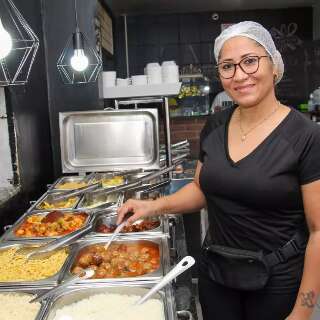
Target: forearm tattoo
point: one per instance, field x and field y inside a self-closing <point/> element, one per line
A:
<point x="308" y="299"/>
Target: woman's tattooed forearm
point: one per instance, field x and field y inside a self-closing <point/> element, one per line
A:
<point x="308" y="299"/>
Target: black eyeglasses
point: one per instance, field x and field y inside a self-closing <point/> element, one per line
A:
<point x="248" y="65"/>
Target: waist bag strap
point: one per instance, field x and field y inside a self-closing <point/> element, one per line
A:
<point x="292" y="248"/>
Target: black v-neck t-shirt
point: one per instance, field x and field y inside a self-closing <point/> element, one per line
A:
<point x="256" y="203"/>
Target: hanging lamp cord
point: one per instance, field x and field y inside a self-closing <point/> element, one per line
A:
<point x="76" y="15"/>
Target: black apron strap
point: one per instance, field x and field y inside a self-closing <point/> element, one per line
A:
<point x="292" y="248"/>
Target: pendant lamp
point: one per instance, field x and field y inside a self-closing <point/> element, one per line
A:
<point x="18" y="45"/>
<point x="79" y="62"/>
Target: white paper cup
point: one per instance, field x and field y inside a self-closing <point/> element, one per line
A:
<point x="139" y="80"/>
<point x="154" y="75"/>
<point x="170" y="73"/>
<point x="168" y="63"/>
<point x="109" y="78"/>
<point x="123" y="82"/>
<point x="152" y="65"/>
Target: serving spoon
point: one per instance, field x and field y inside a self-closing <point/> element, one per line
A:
<point x="85" y="274"/>
<point x="181" y="267"/>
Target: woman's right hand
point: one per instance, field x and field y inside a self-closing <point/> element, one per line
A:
<point x="139" y="208"/>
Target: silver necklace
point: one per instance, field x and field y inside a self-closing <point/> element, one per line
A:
<point x="245" y="134"/>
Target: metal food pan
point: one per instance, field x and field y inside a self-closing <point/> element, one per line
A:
<point x="50" y="281"/>
<point x="100" y="176"/>
<point x="161" y="230"/>
<point x="90" y="198"/>
<point x="131" y="194"/>
<point x="49" y="197"/>
<point x="161" y="242"/>
<point x="10" y="234"/>
<point x="62" y="180"/>
<point x="124" y="140"/>
<point x="29" y="291"/>
<point x="75" y="294"/>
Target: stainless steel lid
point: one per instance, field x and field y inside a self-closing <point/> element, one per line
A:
<point x="109" y="140"/>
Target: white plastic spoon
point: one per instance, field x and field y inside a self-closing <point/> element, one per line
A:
<point x="181" y="267"/>
<point x="115" y="234"/>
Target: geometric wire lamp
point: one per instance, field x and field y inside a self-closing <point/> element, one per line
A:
<point x="18" y="45"/>
<point x="79" y="62"/>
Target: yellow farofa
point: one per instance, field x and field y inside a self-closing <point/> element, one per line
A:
<point x="17" y="268"/>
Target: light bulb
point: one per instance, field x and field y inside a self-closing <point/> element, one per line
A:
<point x="5" y="40"/>
<point x="79" y="60"/>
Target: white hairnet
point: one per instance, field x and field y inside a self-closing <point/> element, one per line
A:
<point x="257" y="32"/>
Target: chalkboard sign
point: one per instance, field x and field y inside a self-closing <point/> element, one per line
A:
<point x="293" y="87"/>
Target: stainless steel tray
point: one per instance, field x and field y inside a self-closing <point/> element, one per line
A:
<point x="61" y="180"/>
<point x="50" y="281"/>
<point x="153" y="276"/>
<point x="49" y="197"/>
<point x="95" y="141"/>
<point x="99" y="176"/>
<point x="75" y="294"/>
<point x="30" y="291"/>
<point x="162" y="230"/>
<point x="100" y="198"/>
<point x="10" y="233"/>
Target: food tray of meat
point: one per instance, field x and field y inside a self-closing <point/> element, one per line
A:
<point x="16" y="306"/>
<point x="91" y="200"/>
<point x="112" y="301"/>
<point x="70" y="183"/>
<point x="48" y="202"/>
<point x="126" y="259"/>
<point x="47" y="225"/>
<point x="153" y="226"/>
<point x="17" y="270"/>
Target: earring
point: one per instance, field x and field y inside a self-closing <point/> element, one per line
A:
<point x="275" y="78"/>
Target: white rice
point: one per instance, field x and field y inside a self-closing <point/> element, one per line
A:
<point x="111" y="307"/>
<point x="16" y="306"/>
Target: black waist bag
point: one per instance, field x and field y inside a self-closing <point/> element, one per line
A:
<point x="235" y="268"/>
<point x="249" y="270"/>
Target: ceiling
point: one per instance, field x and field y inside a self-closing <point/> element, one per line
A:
<point x="136" y="7"/>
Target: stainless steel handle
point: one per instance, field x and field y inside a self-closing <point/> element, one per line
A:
<point x="7" y="227"/>
<point x="58" y="243"/>
<point x="180" y="144"/>
<point x="102" y="207"/>
<point x="77" y="192"/>
<point x="157" y="185"/>
<point x="123" y="187"/>
<point x="53" y="245"/>
<point x="160" y="172"/>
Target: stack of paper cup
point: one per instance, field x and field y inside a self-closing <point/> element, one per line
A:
<point x="109" y="78"/>
<point x="153" y="71"/>
<point x="123" y="82"/>
<point x="170" y="72"/>
<point x="139" y="80"/>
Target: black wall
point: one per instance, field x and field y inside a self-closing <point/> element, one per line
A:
<point x="189" y="38"/>
<point x="59" y="25"/>
<point x="36" y="106"/>
<point x="28" y="105"/>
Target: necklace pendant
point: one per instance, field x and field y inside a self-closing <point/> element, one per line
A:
<point x="243" y="137"/>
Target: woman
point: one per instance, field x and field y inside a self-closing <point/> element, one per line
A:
<point x="259" y="176"/>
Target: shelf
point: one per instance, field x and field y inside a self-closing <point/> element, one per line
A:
<point x="150" y="90"/>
